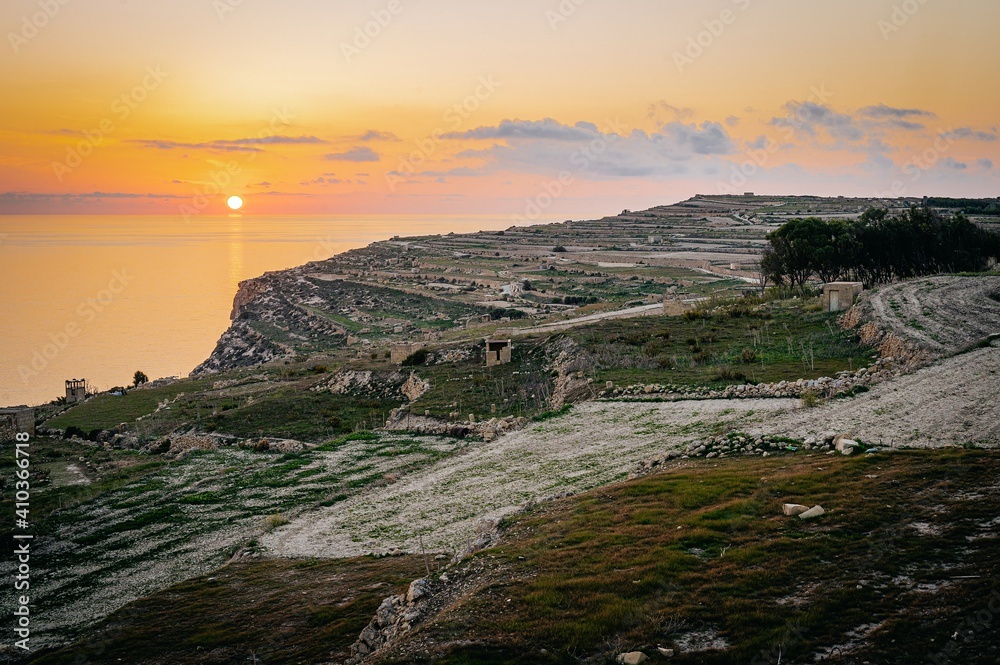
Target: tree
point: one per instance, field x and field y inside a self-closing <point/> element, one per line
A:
<point x="139" y="378"/>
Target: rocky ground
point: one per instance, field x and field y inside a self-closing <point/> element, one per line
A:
<point x="941" y="314"/>
<point x="453" y="502"/>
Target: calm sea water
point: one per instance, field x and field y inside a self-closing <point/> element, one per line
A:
<point x="99" y="297"/>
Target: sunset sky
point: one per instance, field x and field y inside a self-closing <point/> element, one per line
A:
<point x="533" y="108"/>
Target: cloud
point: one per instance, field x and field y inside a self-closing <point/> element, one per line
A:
<point x="30" y="197"/>
<point x="355" y="154"/>
<point x="375" y="135"/>
<point x="530" y="129"/>
<point x="547" y="147"/>
<point x="970" y="134"/>
<point x="883" y="112"/>
<point x="951" y="163"/>
<point x="809" y="118"/>
<point x="985" y="164"/>
<point x="236" y="145"/>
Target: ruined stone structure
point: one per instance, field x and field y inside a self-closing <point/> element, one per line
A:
<point x="14" y="420"/>
<point x="402" y="350"/>
<point x="840" y="296"/>
<point x="498" y="351"/>
<point x="76" y="390"/>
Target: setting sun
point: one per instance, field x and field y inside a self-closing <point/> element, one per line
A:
<point x="235" y="202"/>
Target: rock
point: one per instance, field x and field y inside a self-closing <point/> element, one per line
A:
<point x="844" y="445"/>
<point x="815" y="511"/>
<point x="632" y="658"/>
<point x="418" y="589"/>
<point x="793" y="509"/>
<point x="666" y="653"/>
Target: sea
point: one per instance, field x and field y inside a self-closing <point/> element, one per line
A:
<point x="101" y="297"/>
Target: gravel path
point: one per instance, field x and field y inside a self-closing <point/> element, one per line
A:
<point x="598" y="443"/>
<point x="953" y="402"/>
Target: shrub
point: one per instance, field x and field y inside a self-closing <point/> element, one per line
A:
<point x="810" y="399"/>
<point x="748" y="356"/>
<point x="695" y="315"/>
<point x="274" y="521"/>
<point x="729" y="374"/>
<point x="558" y="248"/>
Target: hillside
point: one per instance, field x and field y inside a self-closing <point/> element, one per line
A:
<point x="620" y="480"/>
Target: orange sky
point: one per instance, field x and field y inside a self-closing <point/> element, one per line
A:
<point x="532" y="108"/>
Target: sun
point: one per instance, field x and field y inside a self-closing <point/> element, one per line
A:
<point x="235" y="202"/>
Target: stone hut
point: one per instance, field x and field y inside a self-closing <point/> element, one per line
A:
<point x="400" y="351"/>
<point x="14" y="420"/>
<point x="498" y="351"/>
<point x="839" y="296"/>
<point x="76" y="390"/>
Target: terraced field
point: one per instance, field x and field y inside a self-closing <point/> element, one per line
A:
<point x="941" y="314"/>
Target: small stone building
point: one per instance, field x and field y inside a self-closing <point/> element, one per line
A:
<point x="14" y="420"/>
<point x="400" y="351"/>
<point x="498" y="351"/>
<point x="838" y="296"/>
<point x="76" y="390"/>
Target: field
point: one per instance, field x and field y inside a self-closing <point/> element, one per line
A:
<point x="693" y="558"/>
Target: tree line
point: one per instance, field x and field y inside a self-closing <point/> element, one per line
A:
<point x="878" y="248"/>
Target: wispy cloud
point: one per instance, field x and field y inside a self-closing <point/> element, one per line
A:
<point x="355" y="154"/>
<point x="375" y="135"/>
<point x="971" y="134"/>
<point x="235" y="145"/>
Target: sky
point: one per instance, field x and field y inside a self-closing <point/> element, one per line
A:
<point x="537" y="109"/>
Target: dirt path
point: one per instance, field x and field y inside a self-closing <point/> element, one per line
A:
<point x="632" y="312"/>
<point x="942" y="314"/>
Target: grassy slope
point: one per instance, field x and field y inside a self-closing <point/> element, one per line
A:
<point x="706" y="548"/>
<point x="280" y="611"/>
<point x="611" y="570"/>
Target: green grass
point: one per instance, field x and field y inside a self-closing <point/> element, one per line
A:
<point x="785" y="342"/>
<point x="707" y="547"/>
<point x="282" y="611"/>
<point x="106" y="411"/>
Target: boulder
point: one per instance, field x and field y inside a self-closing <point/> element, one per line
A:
<point x="666" y="653"/>
<point x="418" y="589"/>
<point x="793" y="509"/>
<point x="845" y="445"/>
<point x="632" y="658"/>
<point x="813" y="512"/>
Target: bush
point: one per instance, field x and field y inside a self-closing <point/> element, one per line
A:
<point x="558" y="248"/>
<point x="729" y="374"/>
<point x="274" y="521"/>
<point x="748" y="356"/>
<point x="695" y="315"/>
<point x="810" y="399"/>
